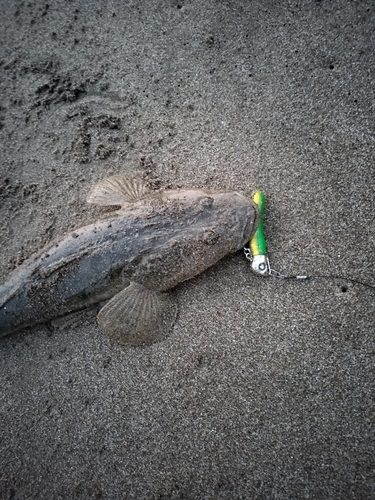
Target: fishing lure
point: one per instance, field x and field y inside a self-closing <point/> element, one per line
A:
<point x="258" y="247"/>
<point x="256" y="253"/>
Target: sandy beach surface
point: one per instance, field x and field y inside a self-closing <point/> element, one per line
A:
<point x="264" y="388"/>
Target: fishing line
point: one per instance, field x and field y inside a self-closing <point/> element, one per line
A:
<point x="256" y="253"/>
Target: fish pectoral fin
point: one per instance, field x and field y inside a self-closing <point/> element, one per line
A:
<point x="118" y="190"/>
<point x="137" y="315"/>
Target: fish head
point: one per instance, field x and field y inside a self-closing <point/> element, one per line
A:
<point x="235" y="213"/>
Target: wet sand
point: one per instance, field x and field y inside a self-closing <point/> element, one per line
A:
<point x="264" y="389"/>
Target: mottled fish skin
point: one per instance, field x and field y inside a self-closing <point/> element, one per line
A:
<point x="157" y="242"/>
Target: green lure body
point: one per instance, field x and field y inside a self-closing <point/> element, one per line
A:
<point x="258" y="246"/>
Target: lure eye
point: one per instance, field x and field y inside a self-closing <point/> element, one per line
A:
<point x="260" y="264"/>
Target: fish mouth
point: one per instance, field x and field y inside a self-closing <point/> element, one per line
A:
<point x="257" y="218"/>
<point x="251" y="224"/>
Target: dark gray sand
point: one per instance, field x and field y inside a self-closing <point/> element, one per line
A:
<point x="264" y="389"/>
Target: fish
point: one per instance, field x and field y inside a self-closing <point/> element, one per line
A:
<point x="132" y="259"/>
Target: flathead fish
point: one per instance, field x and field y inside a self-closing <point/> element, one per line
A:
<point x="156" y="240"/>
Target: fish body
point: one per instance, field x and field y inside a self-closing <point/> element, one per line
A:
<point x="155" y="241"/>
